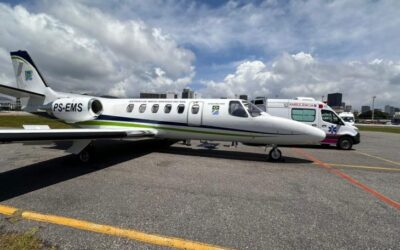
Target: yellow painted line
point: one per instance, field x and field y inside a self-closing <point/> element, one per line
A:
<point x="109" y="230"/>
<point x="6" y="210"/>
<point x="380" y="158"/>
<point x="364" y="167"/>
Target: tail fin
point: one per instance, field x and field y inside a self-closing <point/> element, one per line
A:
<point x="27" y="74"/>
<point x="30" y="82"/>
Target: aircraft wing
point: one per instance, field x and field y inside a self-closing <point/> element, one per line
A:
<point x="29" y="135"/>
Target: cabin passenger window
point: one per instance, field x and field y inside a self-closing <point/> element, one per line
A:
<point x="303" y="115"/>
<point x="155" y="107"/>
<point x="142" y="108"/>
<point x="195" y="109"/>
<point x="237" y="109"/>
<point x="167" y="108"/>
<point x="129" y="108"/>
<point x="181" y="108"/>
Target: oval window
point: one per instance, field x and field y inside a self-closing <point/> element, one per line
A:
<point x="195" y="109"/>
<point x="129" y="108"/>
<point x="155" y="107"/>
<point x="142" y="108"/>
<point x="167" y="108"/>
<point x="181" y="108"/>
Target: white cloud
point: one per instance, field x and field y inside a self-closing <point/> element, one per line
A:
<point x="289" y="76"/>
<point x="84" y="49"/>
<point x="335" y="29"/>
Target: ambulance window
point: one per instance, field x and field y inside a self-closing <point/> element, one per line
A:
<point x="129" y="108"/>
<point x="329" y="116"/>
<point x="167" y="108"/>
<point x="155" y="107"/>
<point x="258" y="102"/>
<point x="236" y="109"/>
<point x="181" y="108"/>
<point x="303" y="115"/>
<point x="142" y="108"/>
<point x="348" y="119"/>
<point x="195" y="109"/>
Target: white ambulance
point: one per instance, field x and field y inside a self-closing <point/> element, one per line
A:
<point x="347" y="117"/>
<point x="315" y="113"/>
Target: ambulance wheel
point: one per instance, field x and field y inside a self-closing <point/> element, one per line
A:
<point x="345" y="143"/>
<point x="85" y="155"/>
<point x="275" y="154"/>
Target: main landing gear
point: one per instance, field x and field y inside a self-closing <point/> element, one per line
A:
<point x="275" y="154"/>
<point x="86" y="155"/>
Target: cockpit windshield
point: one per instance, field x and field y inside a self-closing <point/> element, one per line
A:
<point x="253" y="109"/>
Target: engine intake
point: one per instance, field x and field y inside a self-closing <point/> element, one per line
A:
<point x="78" y="109"/>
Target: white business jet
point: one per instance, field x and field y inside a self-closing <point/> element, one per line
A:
<point x="179" y="119"/>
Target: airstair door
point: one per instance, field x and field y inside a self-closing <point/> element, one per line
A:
<point x="195" y="113"/>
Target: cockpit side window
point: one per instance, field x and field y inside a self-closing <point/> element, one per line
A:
<point x="252" y="109"/>
<point x="237" y="109"/>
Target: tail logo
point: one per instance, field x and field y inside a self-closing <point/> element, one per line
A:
<point x="28" y="75"/>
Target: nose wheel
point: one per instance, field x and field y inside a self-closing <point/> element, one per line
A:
<point x="275" y="154"/>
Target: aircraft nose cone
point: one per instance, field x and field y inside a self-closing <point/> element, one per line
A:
<point x="317" y="134"/>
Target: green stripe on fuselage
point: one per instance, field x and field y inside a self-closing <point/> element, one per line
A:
<point x="139" y="125"/>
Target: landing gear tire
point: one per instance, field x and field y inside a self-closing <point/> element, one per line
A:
<point x="275" y="154"/>
<point x="86" y="154"/>
<point x="345" y="143"/>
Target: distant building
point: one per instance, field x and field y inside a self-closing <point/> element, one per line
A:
<point x="171" y="95"/>
<point x="348" y="108"/>
<point x="187" y="93"/>
<point x="243" y="97"/>
<point x="390" y="110"/>
<point x="335" y="100"/>
<point x="7" y="104"/>
<point x="365" y="109"/>
<point x="153" y="96"/>
<point x="18" y="105"/>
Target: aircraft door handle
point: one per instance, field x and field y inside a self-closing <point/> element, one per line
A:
<point x="314" y="125"/>
<point x="324" y="126"/>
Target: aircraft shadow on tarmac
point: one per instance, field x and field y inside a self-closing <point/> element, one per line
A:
<point x="229" y="155"/>
<point x="32" y="177"/>
<point x="46" y="173"/>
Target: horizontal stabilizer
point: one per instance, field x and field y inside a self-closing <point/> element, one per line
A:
<point x="25" y="135"/>
<point x="18" y="93"/>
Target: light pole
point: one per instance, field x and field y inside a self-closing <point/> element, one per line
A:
<point x="373" y="108"/>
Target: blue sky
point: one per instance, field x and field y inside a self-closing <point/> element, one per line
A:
<point x="278" y="48"/>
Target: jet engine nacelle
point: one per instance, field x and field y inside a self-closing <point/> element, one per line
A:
<point x="76" y="109"/>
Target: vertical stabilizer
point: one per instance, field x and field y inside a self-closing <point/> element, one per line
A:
<point x="27" y="74"/>
<point x="30" y="85"/>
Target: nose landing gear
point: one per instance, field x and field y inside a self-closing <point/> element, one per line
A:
<point x="275" y="154"/>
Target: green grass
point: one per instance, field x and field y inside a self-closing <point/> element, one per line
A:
<point x="16" y="121"/>
<point x="380" y="129"/>
<point x="23" y="241"/>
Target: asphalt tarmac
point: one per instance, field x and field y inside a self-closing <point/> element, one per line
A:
<point x="228" y="197"/>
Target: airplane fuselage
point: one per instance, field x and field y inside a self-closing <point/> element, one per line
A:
<point x="208" y="119"/>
